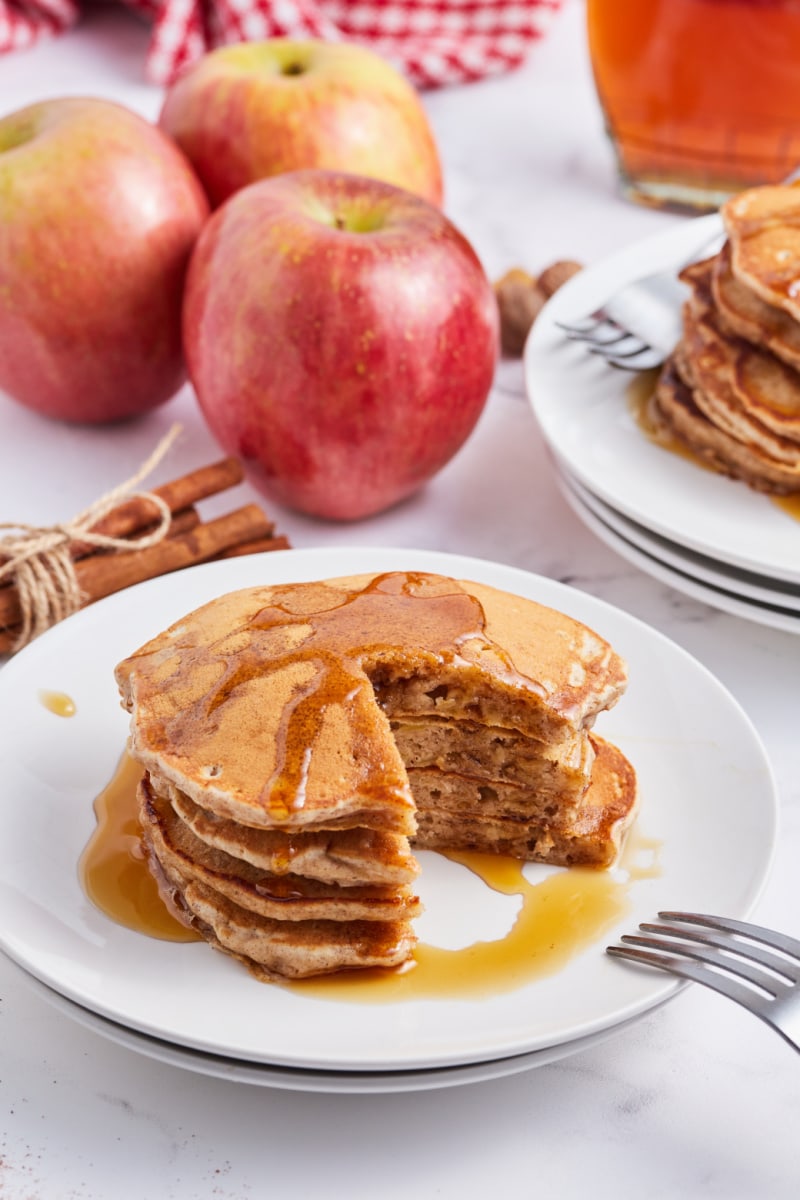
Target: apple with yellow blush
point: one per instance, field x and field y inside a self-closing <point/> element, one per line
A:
<point x="247" y="112"/>
<point x="99" y="213"/>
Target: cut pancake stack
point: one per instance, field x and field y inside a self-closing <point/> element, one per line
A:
<point x="731" y="390"/>
<point x="296" y="740"/>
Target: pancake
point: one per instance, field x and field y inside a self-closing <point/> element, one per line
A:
<point x="463" y="794"/>
<point x="589" y="835"/>
<point x="742" y="312"/>
<point x="278" y="950"/>
<point x="494" y="754"/>
<point x="748" y="392"/>
<point x="345" y="856"/>
<point x="763" y="227"/>
<point x="295" y="737"/>
<point x="674" y="413"/>
<point x="285" y="897"/>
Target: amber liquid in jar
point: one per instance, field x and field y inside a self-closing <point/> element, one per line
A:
<point x="701" y="97"/>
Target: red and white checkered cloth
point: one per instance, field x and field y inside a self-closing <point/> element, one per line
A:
<point x="23" y="23"/>
<point x="434" y="42"/>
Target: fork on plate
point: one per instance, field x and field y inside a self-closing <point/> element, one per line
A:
<point x="639" y="325"/>
<point x="757" y="967"/>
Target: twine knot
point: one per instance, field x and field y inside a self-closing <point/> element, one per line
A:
<point x="38" y="559"/>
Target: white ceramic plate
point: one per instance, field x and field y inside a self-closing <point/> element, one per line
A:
<point x="295" y="1079"/>
<point x="708" y="799"/>
<point x="741" y="584"/>
<point x="582" y="408"/>
<point x="646" y="555"/>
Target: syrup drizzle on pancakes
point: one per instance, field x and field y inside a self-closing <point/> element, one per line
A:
<point x="393" y="608"/>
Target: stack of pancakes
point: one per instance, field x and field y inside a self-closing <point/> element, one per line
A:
<point x="731" y="389"/>
<point x="295" y="739"/>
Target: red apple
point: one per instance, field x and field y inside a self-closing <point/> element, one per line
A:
<point x="99" y="212"/>
<point x="250" y="111"/>
<point x="341" y="336"/>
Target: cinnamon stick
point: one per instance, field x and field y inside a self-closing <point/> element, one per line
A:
<point x="182" y="521"/>
<point x="100" y="575"/>
<point x="138" y="514"/>
<point x="260" y="546"/>
<point x="134" y="515"/>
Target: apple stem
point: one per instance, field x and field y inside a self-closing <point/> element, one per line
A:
<point x="340" y="222"/>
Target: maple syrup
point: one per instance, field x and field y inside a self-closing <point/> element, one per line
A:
<point x="700" y="96"/>
<point x="58" y="703"/>
<point x="789" y="504"/>
<point x="558" y="917"/>
<point x="113" y="870"/>
<point x="638" y="394"/>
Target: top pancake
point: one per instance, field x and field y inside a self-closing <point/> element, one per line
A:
<point x="763" y="227"/>
<point x="269" y="705"/>
<point x="742" y="312"/>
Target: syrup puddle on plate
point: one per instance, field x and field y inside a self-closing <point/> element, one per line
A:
<point x="58" y="703"/>
<point x="557" y="917"/>
<point x="113" y="869"/>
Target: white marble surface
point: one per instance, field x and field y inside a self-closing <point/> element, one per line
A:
<point x="698" y="1099"/>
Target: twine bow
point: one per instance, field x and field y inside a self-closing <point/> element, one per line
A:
<point x="38" y="559"/>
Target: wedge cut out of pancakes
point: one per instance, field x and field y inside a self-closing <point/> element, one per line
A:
<point x="731" y="389"/>
<point x="298" y="741"/>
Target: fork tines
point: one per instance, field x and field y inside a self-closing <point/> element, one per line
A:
<point x="744" y="929"/>
<point x="709" y="950"/>
<point x="617" y="346"/>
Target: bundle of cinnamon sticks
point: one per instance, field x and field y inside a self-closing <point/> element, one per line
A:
<point x="188" y="541"/>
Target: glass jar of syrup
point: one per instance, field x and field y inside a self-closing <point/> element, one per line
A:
<point x="701" y="97"/>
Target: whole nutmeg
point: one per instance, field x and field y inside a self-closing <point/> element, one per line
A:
<point x="556" y="275"/>
<point x="520" y="301"/>
<point x="521" y="297"/>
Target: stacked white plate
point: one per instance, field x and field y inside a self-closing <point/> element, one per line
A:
<point x="713" y="538"/>
<point x="708" y="808"/>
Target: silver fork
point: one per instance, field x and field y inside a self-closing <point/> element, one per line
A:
<point x="719" y="953"/>
<point x="640" y="325"/>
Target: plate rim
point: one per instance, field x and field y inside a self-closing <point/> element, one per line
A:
<point x="300" y="1079"/>
<point x="682" y="559"/>
<point x="759" y="612"/>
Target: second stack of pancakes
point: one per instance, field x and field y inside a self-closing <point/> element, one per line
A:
<point x="731" y="389"/>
